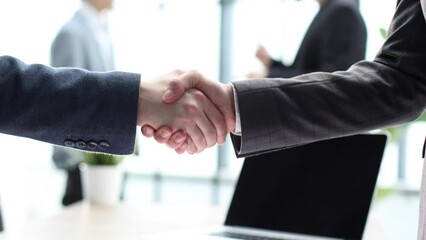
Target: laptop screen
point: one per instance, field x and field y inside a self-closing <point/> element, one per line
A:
<point x="323" y="188"/>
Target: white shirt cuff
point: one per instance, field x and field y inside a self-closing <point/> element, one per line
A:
<point x="237" y="113"/>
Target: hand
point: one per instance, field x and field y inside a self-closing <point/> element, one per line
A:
<point x="263" y="56"/>
<point x="175" y="140"/>
<point x="193" y="112"/>
<point x="220" y="94"/>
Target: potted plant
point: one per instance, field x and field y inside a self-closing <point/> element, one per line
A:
<point x="102" y="177"/>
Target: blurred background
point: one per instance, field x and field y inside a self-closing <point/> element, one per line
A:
<point x="218" y="38"/>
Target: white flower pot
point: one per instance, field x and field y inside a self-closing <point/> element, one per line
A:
<point x="101" y="184"/>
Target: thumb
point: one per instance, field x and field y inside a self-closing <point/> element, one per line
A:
<point x="178" y="86"/>
<point x="174" y="91"/>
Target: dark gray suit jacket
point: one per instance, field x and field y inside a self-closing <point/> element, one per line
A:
<point x="69" y="107"/>
<point x="335" y="40"/>
<point x="390" y="90"/>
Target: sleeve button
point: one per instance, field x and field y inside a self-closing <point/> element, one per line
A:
<point x="69" y="143"/>
<point x="92" y="145"/>
<point x="80" y="144"/>
<point x="104" y="145"/>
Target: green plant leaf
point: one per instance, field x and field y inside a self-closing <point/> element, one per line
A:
<point x="101" y="159"/>
<point x="384" y="193"/>
<point x="398" y="131"/>
<point x="383" y="32"/>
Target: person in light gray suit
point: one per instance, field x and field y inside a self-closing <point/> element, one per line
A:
<point x="82" y="42"/>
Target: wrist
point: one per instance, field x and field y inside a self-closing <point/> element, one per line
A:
<point x="140" y="104"/>
<point x="144" y="106"/>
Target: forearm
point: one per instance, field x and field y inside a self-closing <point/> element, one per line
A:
<point x="388" y="91"/>
<point x="65" y="106"/>
<point x="324" y="105"/>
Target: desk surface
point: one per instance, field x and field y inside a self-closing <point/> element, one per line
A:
<point x="84" y="221"/>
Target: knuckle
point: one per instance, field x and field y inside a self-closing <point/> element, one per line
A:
<point x="194" y="73"/>
<point x="191" y="149"/>
<point x="211" y="138"/>
<point x="182" y="119"/>
<point x="178" y="71"/>
<point x="211" y="144"/>
<point x="198" y="96"/>
<point x="200" y="142"/>
<point x="159" y="139"/>
<point x="191" y="110"/>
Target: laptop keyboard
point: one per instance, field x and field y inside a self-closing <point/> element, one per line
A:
<point x="247" y="237"/>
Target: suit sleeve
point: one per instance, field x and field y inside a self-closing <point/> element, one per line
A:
<point x="69" y="107"/>
<point x="390" y="90"/>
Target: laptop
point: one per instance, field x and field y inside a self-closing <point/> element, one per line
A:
<point x="321" y="190"/>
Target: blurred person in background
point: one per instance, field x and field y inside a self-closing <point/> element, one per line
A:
<point x="84" y="42"/>
<point x="335" y="40"/>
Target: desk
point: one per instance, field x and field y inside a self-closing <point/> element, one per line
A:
<point x="84" y="221"/>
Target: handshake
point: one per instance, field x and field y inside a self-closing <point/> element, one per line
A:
<point x="186" y="111"/>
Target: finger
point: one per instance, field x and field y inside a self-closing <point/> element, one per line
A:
<point x="212" y="89"/>
<point x="217" y="120"/>
<point x="174" y="91"/>
<point x="163" y="134"/>
<point x="197" y="138"/>
<point x="210" y="121"/>
<point x="177" y="139"/>
<point x="178" y="86"/>
<point x="183" y="147"/>
<point x="148" y="131"/>
<point x="191" y="149"/>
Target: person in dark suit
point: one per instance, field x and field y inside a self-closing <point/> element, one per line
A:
<point x="84" y="42"/>
<point x="335" y="40"/>
<point x="280" y="113"/>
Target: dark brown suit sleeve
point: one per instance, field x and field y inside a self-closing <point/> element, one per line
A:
<point x="391" y="90"/>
